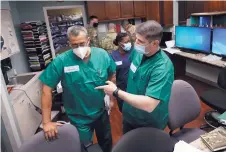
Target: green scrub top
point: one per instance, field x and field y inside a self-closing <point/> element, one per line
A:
<point x="151" y="77"/>
<point x="83" y="104"/>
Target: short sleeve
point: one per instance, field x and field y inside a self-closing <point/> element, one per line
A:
<point x="52" y="74"/>
<point x="160" y="83"/>
<point x="111" y="66"/>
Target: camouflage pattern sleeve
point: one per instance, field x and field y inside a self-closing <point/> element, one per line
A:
<point x="92" y="33"/>
<point x="107" y="44"/>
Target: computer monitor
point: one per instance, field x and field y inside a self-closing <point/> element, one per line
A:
<point x="193" y="38"/>
<point x="219" y="41"/>
<point x="166" y="36"/>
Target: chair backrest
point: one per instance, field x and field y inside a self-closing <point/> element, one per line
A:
<point x="221" y="81"/>
<point x="184" y="104"/>
<point x="68" y="141"/>
<point x="145" y="140"/>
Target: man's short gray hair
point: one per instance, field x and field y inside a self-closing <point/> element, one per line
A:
<point x="111" y="26"/>
<point x="151" y="30"/>
<point x="75" y="30"/>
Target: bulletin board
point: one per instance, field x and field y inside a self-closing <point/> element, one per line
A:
<point x="9" y="44"/>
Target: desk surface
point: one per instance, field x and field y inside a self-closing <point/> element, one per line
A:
<point x="198" y="57"/>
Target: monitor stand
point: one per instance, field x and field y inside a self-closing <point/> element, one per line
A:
<point x="223" y="59"/>
<point x="189" y="51"/>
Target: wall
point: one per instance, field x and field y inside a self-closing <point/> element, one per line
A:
<point x="33" y="10"/>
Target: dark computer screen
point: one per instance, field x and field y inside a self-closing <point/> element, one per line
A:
<point x="219" y="41"/>
<point x="166" y="36"/>
<point x="194" y="38"/>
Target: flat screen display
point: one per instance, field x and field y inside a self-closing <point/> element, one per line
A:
<point x="219" y="41"/>
<point x="194" y="38"/>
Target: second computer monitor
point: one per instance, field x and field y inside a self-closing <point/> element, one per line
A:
<point x="219" y="41"/>
<point x="193" y="38"/>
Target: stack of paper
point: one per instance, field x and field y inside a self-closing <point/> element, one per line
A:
<point x="172" y="50"/>
<point x="170" y="45"/>
<point x="182" y="146"/>
<point x="215" y="140"/>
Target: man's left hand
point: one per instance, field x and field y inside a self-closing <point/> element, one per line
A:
<point x="108" y="89"/>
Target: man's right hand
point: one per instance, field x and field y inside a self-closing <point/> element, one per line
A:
<point x="50" y="130"/>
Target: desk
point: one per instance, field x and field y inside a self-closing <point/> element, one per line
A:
<point x="198" y="57"/>
<point x="179" y="61"/>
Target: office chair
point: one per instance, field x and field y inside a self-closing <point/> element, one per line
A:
<point x="68" y="141"/>
<point x="145" y="140"/>
<point x="216" y="99"/>
<point x="184" y="106"/>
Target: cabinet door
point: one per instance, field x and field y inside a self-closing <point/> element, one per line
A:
<point x="28" y="118"/>
<point x="152" y="9"/>
<point x="97" y="8"/>
<point x="212" y="6"/>
<point x="224" y="8"/>
<point x="182" y="11"/>
<point x="112" y="9"/>
<point x="127" y="10"/>
<point x="167" y="12"/>
<point x="139" y="8"/>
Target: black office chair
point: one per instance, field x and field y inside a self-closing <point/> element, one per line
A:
<point x="184" y="107"/>
<point x="145" y="140"/>
<point x="216" y="99"/>
<point x="68" y="141"/>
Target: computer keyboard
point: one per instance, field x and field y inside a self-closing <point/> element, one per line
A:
<point x="211" y="57"/>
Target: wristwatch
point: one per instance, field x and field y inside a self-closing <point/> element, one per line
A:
<point x="115" y="93"/>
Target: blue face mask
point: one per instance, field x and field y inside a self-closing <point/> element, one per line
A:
<point x="140" y="48"/>
<point x="127" y="46"/>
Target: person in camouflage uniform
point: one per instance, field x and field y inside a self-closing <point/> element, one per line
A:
<point x="130" y="30"/>
<point x="92" y="31"/>
<point x="107" y="42"/>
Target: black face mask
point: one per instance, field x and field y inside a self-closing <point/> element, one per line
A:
<point x="95" y="24"/>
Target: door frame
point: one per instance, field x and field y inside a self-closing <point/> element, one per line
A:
<point x="45" y="9"/>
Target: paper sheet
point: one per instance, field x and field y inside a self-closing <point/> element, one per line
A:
<point x="170" y="44"/>
<point x="182" y="146"/>
<point x="171" y="50"/>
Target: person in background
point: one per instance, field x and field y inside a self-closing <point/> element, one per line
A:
<point x="80" y="70"/>
<point x="150" y="79"/>
<point x="130" y="29"/>
<point x="107" y="42"/>
<point x="121" y="58"/>
<point x="92" y="31"/>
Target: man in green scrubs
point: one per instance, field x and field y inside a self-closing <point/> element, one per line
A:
<point x="80" y="70"/>
<point x="151" y="76"/>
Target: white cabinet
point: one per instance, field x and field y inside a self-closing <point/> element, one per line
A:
<point x="24" y="99"/>
<point x="28" y="118"/>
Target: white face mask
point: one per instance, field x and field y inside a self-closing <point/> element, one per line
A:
<point x="140" y="48"/>
<point x="127" y="46"/>
<point x="81" y="51"/>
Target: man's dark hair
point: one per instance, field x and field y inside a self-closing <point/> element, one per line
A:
<point x="93" y="17"/>
<point x="119" y="38"/>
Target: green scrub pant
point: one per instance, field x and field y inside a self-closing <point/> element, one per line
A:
<point x="103" y="132"/>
